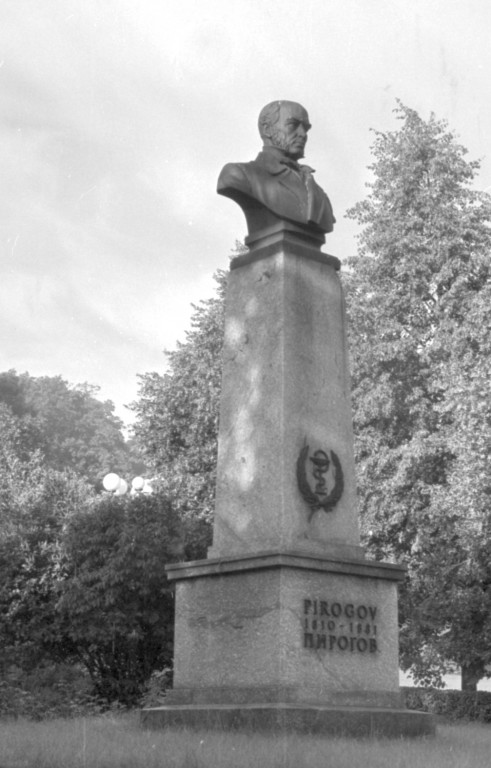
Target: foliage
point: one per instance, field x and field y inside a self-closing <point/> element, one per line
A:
<point x="452" y="705"/>
<point x="47" y="692"/>
<point x="418" y="300"/>
<point x="156" y="688"/>
<point x="177" y="420"/>
<point x="115" y="606"/>
<point x="69" y="425"/>
<point x="81" y="576"/>
<point x="34" y="504"/>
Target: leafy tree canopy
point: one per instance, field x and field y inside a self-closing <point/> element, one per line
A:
<point x="115" y="607"/>
<point x="68" y="424"/>
<point x="35" y="503"/>
<point x="418" y="298"/>
<point x="177" y="419"/>
<point x="82" y="574"/>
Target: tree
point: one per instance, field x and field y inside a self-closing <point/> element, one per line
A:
<point x="465" y="611"/>
<point x="82" y="575"/>
<point x="71" y="427"/>
<point x="35" y="501"/>
<point x="418" y="301"/>
<point x="177" y="420"/>
<point x="115" y="607"/>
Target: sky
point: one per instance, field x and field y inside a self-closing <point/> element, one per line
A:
<point x="116" y="117"/>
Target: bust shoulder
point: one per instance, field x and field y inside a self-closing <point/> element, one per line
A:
<point x="233" y="176"/>
<point x="251" y="178"/>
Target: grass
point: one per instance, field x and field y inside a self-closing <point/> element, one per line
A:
<point x="119" y="742"/>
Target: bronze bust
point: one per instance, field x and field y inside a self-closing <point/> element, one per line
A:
<point x="274" y="187"/>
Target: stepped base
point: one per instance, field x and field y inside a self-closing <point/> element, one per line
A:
<point x="282" y="719"/>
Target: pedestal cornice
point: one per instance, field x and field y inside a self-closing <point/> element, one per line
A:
<point x="288" y="559"/>
<point x="284" y="238"/>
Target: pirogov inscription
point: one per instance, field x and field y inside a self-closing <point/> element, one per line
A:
<point x="332" y="625"/>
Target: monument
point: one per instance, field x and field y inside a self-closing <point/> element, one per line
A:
<point x="286" y="626"/>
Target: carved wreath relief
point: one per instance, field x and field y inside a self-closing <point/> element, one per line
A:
<point x="319" y="464"/>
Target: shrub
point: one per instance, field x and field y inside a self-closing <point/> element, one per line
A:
<point x="47" y="692"/>
<point x="156" y="688"/>
<point x="450" y="704"/>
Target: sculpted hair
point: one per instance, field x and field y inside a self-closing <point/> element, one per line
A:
<point x="268" y="116"/>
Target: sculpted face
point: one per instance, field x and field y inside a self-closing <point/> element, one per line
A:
<point x="289" y="133"/>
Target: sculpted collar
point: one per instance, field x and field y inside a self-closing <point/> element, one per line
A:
<point x="276" y="161"/>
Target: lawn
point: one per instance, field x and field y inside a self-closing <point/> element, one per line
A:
<point x="119" y="742"/>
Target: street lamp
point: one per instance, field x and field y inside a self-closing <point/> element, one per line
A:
<point x="115" y="484"/>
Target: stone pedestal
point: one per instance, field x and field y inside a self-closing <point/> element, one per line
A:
<point x="286" y="626"/>
<point x="285" y="387"/>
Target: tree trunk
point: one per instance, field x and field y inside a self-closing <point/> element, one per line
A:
<point x="471" y="674"/>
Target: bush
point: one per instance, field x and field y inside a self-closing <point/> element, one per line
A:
<point x="156" y="688"/>
<point x="47" y="692"/>
<point x="450" y="704"/>
<point x="116" y="607"/>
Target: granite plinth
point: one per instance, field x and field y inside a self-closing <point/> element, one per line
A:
<point x="287" y="642"/>
<point x="285" y="386"/>
<point x="283" y="719"/>
<point x="321" y="627"/>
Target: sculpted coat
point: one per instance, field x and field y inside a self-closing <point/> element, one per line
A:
<point x="277" y="182"/>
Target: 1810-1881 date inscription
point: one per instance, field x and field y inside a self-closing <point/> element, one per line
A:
<point x="333" y="625"/>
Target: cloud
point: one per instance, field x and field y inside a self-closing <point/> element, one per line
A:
<point x="116" y="118"/>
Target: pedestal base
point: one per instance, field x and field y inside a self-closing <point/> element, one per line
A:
<point x="283" y="719"/>
<point x="287" y="641"/>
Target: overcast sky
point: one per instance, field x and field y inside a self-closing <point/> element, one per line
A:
<point x="116" y="117"/>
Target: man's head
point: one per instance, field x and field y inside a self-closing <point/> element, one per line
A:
<point x="285" y="124"/>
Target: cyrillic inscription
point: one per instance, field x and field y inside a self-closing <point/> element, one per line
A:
<point x="332" y="625"/>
